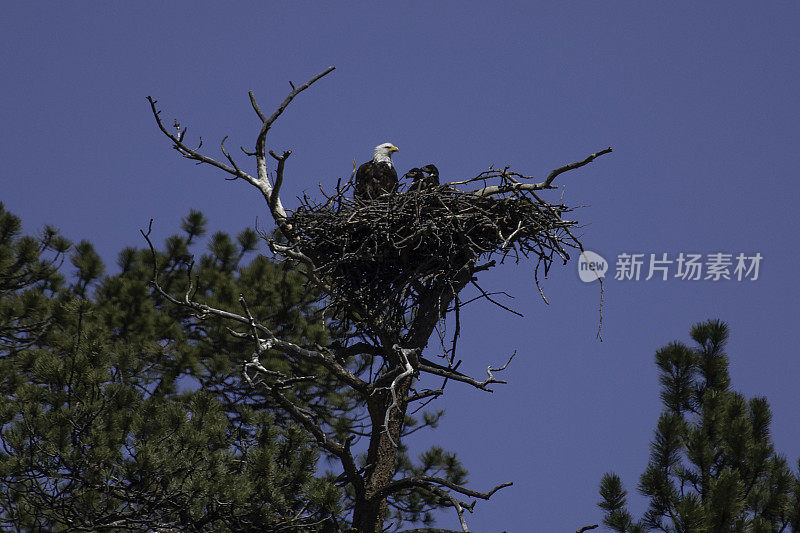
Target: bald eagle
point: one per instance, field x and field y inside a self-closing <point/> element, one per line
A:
<point x="423" y="178"/>
<point x="378" y="176"/>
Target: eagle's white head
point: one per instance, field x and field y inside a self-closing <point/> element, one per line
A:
<point x="383" y="153"/>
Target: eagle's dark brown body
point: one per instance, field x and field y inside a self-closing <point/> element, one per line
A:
<point x="374" y="179"/>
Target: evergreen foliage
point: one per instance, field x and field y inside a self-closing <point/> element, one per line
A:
<point x="29" y="281"/>
<point x="120" y="411"/>
<point x="712" y="463"/>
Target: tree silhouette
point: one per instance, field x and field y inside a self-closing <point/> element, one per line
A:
<point x="388" y="271"/>
<point x="712" y="463"/>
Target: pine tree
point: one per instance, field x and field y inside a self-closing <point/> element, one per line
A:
<point x="29" y="281"/>
<point x="119" y="413"/>
<point x="712" y="463"/>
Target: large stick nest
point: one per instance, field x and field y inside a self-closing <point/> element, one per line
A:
<point x="382" y="252"/>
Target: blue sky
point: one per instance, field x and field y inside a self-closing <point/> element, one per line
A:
<point x="699" y="101"/>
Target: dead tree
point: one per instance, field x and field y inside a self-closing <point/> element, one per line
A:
<point x="389" y="271"/>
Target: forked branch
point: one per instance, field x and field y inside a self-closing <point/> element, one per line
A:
<point x="437" y="486"/>
<point x="451" y="373"/>
<point x="261" y="180"/>
<point x="513" y="181"/>
<point x="275" y="205"/>
<point x="321" y="357"/>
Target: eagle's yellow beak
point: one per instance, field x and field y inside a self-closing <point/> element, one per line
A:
<point x="394" y="149"/>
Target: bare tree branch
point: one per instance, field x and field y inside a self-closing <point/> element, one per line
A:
<point x="427" y="481"/>
<point x="512" y="179"/>
<point x="267" y="122"/>
<point x="276" y="207"/>
<point x="573" y="166"/>
<point x="438" y="370"/>
<point x="289" y="348"/>
<point x="190" y="153"/>
<point x="261" y="182"/>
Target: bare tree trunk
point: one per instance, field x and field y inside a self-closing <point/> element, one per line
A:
<point x="369" y="514"/>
